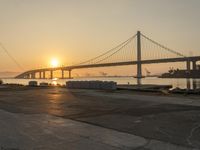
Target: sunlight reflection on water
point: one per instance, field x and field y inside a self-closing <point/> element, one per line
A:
<point x="54" y="81"/>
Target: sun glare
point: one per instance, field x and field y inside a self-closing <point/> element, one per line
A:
<point x="54" y="63"/>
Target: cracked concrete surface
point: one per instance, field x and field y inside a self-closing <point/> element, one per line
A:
<point x="64" y="119"/>
<point x="19" y="131"/>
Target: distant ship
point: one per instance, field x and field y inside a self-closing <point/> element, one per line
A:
<point x="182" y="73"/>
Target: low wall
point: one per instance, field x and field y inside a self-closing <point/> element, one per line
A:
<point x="105" y="85"/>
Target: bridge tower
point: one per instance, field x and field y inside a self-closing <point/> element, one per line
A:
<point x="139" y="65"/>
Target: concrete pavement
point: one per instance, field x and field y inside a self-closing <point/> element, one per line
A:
<point x="61" y="119"/>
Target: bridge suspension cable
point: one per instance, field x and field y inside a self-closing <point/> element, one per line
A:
<point x="163" y="47"/>
<point x="10" y="56"/>
<point x="127" y="51"/>
<point x="108" y="54"/>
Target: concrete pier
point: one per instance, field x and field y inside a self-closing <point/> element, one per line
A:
<point x="58" y="118"/>
<point x="40" y="75"/>
<point x="51" y="74"/>
<point x="62" y="74"/>
<point x="70" y="76"/>
<point x="188" y="66"/>
<point x="194" y="65"/>
<point x="44" y="75"/>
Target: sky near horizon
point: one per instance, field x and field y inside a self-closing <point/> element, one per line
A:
<point x="35" y="31"/>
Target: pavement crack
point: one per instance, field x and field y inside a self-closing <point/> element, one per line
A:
<point x="163" y="132"/>
<point x="191" y="134"/>
<point x="143" y="146"/>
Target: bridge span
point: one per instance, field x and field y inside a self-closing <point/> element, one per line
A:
<point x="42" y="72"/>
<point x="102" y="60"/>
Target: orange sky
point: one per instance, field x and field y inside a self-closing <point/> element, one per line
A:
<point x="36" y="31"/>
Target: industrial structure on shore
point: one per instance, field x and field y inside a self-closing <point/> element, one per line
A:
<point x="177" y="73"/>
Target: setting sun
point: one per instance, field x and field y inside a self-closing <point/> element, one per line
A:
<point x="54" y="63"/>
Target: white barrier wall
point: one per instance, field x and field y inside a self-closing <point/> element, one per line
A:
<point x="105" y="85"/>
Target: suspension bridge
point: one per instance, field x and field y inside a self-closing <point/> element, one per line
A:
<point x="137" y="50"/>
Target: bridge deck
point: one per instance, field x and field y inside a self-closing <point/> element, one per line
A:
<point x="155" y="61"/>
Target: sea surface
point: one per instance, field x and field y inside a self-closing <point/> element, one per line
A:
<point x="180" y="83"/>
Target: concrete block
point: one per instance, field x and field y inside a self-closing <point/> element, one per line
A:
<point x="32" y="83"/>
<point x="106" y="85"/>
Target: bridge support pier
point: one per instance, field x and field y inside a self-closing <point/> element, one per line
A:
<point x="33" y="75"/>
<point x="44" y="75"/>
<point x="51" y="74"/>
<point x="188" y="84"/>
<point x="194" y="84"/>
<point x="139" y="65"/>
<point x="188" y="66"/>
<point x="40" y="75"/>
<point x="63" y="74"/>
<point x="70" y="74"/>
<point x="194" y="65"/>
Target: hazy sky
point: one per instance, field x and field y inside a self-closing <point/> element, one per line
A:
<point x="34" y="31"/>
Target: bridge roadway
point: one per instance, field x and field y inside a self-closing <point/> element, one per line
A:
<point x="31" y="73"/>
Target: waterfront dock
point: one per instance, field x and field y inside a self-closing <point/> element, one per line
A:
<point x="58" y="118"/>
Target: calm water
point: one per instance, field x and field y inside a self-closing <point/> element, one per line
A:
<point x="181" y="83"/>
